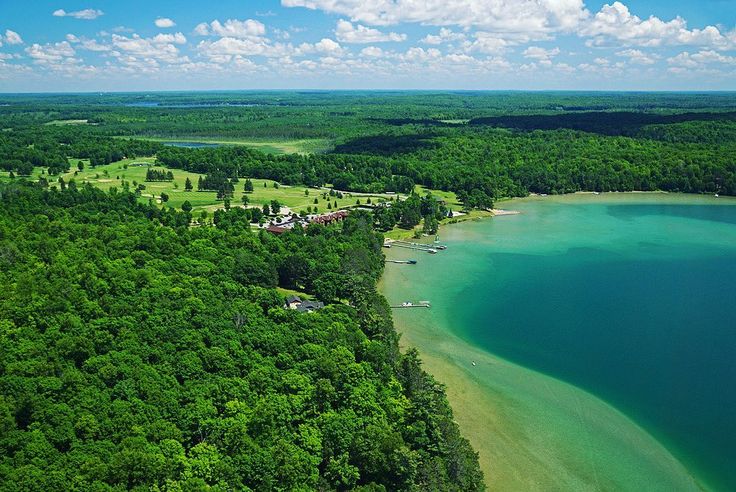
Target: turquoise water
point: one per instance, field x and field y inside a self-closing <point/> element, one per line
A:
<point x="631" y="298"/>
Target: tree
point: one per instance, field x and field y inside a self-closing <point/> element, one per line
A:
<point x="248" y="186"/>
<point x="266" y="209"/>
<point x="227" y="204"/>
<point x="275" y="207"/>
<point x="245" y="199"/>
<point x="80" y="165"/>
<point x="164" y="197"/>
<point x="276" y="185"/>
<point x="188" y="184"/>
<point x="200" y="184"/>
<point x="186" y="206"/>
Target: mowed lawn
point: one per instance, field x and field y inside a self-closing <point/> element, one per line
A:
<point x="296" y="198"/>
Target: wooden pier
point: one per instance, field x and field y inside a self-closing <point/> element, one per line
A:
<point x="408" y="305"/>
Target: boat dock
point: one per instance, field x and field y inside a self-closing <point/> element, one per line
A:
<point x="428" y="248"/>
<point x="406" y="305"/>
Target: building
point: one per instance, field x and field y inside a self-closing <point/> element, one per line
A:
<point x="276" y="229"/>
<point x="306" y="306"/>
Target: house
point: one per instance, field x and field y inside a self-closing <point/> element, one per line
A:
<point x="329" y="218"/>
<point x="306" y="306"/>
<point x="276" y="229"/>
<point x="309" y="306"/>
<point x="292" y="302"/>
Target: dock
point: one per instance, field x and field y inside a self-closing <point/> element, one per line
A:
<point x="407" y="305"/>
<point x="427" y="248"/>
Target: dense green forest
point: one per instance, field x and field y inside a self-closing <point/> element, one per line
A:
<point x="139" y="353"/>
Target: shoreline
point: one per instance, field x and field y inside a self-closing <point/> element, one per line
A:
<point x="507" y="410"/>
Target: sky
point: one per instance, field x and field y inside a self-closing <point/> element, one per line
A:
<point x="134" y="45"/>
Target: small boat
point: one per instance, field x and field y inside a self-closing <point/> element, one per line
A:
<point x="411" y="262"/>
<point x="716" y="195"/>
<point x="432" y="251"/>
<point x="473" y="363"/>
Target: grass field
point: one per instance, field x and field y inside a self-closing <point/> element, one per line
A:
<point x="113" y="175"/>
<point x="66" y="122"/>
<point x="302" y="146"/>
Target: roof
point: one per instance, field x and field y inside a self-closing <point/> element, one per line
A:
<point x="276" y="229"/>
<point x="293" y="298"/>
<point x="307" y="306"/>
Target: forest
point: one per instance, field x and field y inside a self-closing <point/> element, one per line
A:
<point x="137" y="353"/>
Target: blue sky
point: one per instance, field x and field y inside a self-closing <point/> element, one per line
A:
<point x="97" y="45"/>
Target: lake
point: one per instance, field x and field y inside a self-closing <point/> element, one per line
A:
<point x="604" y="328"/>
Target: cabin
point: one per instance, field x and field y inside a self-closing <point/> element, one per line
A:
<point x="303" y="306"/>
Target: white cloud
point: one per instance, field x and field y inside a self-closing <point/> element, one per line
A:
<point x="48" y="53"/>
<point x="86" y="14"/>
<point x="700" y="59"/>
<point x="541" y="54"/>
<point x="349" y="33"/>
<point x="487" y="43"/>
<point x="12" y="37"/>
<point x="372" y="52"/>
<point x="177" y="38"/>
<point x="328" y="46"/>
<point x="159" y="48"/>
<point x="616" y="24"/>
<point x="444" y="36"/>
<point x="164" y="22"/>
<point x="638" y="57"/>
<point x="87" y="44"/>
<point x="232" y="28"/>
<point x="527" y="16"/>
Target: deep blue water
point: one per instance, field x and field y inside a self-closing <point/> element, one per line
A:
<point x="651" y="329"/>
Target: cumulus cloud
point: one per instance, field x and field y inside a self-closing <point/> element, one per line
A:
<point x="160" y="48"/>
<point x="12" y="37"/>
<point x="232" y="28"/>
<point x="444" y="36"/>
<point x="346" y="32"/>
<point x="616" y="24"/>
<point x="518" y="16"/>
<point x="638" y="57"/>
<point x="372" y="52"/>
<point x="541" y="54"/>
<point x="164" y="22"/>
<point x="86" y="14"/>
<point x="700" y="59"/>
<point x="87" y="44"/>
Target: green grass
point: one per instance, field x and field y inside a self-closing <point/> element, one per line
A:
<point x="301" y="146"/>
<point x="66" y="122"/>
<point x="113" y="175"/>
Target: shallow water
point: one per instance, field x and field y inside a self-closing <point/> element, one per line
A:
<point x="626" y="297"/>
